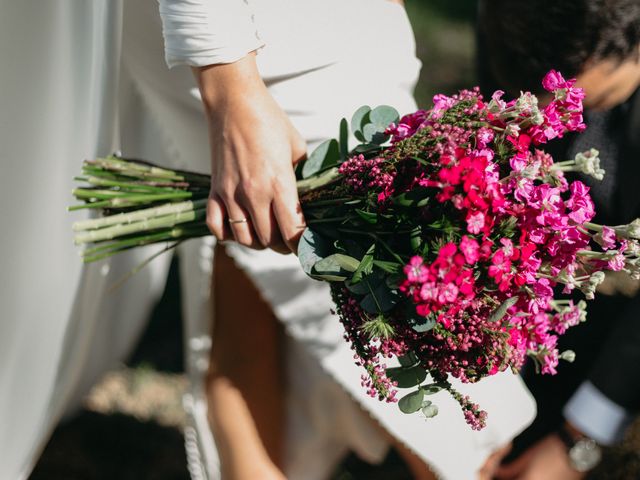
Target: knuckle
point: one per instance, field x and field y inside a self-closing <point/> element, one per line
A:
<point x="252" y="188"/>
<point x="226" y="191"/>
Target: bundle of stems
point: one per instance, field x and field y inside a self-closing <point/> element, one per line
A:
<point x="143" y="204"/>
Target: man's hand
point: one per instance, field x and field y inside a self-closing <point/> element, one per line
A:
<point x="546" y="460"/>
<point x="254" y="148"/>
<point x="492" y="463"/>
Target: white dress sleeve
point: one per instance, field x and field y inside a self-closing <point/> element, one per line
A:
<point x="207" y="32"/>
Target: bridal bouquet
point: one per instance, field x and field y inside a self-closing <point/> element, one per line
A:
<point x="446" y="236"/>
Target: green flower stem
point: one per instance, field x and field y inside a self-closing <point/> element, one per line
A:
<point x="176" y="233"/>
<point x="88" y="194"/>
<point x="138" y="169"/>
<point x="593" y="226"/>
<point x="326" y="203"/>
<point x="322" y="180"/>
<point x="139" y="215"/>
<point x="315" y="221"/>
<point x="133" y="186"/>
<point x="131" y="201"/>
<point x="116" y="231"/>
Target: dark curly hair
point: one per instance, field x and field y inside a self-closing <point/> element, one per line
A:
<point x="526" y="38"/>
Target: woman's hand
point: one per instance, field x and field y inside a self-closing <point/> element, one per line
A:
<point x="254" y="148"/>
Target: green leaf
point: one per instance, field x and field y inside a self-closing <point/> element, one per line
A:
<point x="383" y="116"/>
<point x="411" y="402"/>
<point x="431" y="389"/>
<point x="366" y="147"/>
<point x="373" y="134"/>
<point x="501" y="311"/>
<point x="429" y="410"/>
<point x="389" y="267"/>
<point x="368" y="283"/>
<point x="366" y="265"/>
<point x="336" y="264"/>
<point x="415" y="238"/>
<point x="312" y="248"/>
<point x="380" y="300"/>
<point x="344" y="139"/>
<point x="326" y="155"/>
<point x="416" y="198"/>
<point x="359" y="118"/>
<point x="408" y="360"/>
<point x="417" y="322"/>
<point x="329" y="277"/>
<point x="368" y="217"/>
<point x="407" y="377"/>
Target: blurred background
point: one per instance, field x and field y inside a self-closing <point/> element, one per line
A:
<point x="131" y="426"/>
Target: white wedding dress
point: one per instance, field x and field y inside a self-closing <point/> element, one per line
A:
<point x="321" y="61"/>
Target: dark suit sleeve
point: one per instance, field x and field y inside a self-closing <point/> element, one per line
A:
<point x="616" y="372"/>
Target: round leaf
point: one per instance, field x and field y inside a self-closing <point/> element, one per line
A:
<point x="407" y="377"/>
<point x="430" y="410"/>
<point x="336" y="263"/>
<point x="312" y="248"/>
<point x="359" y="118"/>
<point x="411" y="402"/>
<point x="383" y="116"/>
<point x="324" y="156"/>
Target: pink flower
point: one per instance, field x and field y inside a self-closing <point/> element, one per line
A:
<point x="475" y="222"/>
<point x="606" y="238"/>
<point x="448" y="293"/>
<point x="580" y="203"/>
<point x="415" y="270"/>
<point x="470" y="249"/>
<point x="616" y="263"/>
<point x="429" y="291"/>
<point x="553" y="81"/>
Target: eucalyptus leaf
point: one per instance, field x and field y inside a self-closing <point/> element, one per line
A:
<point x="335" y="264"/>
<point x="431" y="389"/>
<point x="312" y="248"/>
<point x="408" y="360"/>
<point x="430" y="410"/>
<point x="407" y="377"/>
<point x="383" y="116"/>
<point x="417" y="322"/>
<point x="373" y="134"/>
<point x="365" y="148"/>
<point x="326" y="155"/>
<point x="411" y="402"/>
<point x="358" y="119"/>
<point x="501" y="311"/>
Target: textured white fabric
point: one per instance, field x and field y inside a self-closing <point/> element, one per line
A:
<point x="204" y="32"/>
<point x="58" y="105"/>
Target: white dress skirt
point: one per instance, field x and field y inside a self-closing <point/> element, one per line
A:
<point x="321" y="61"/>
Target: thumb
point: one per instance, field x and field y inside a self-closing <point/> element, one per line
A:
<point x="298" y="147"/>
<point x="515" y="468"/>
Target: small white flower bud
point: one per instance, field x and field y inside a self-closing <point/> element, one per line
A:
<point x="568" y="356"/>
<point x="589" y="163"/>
